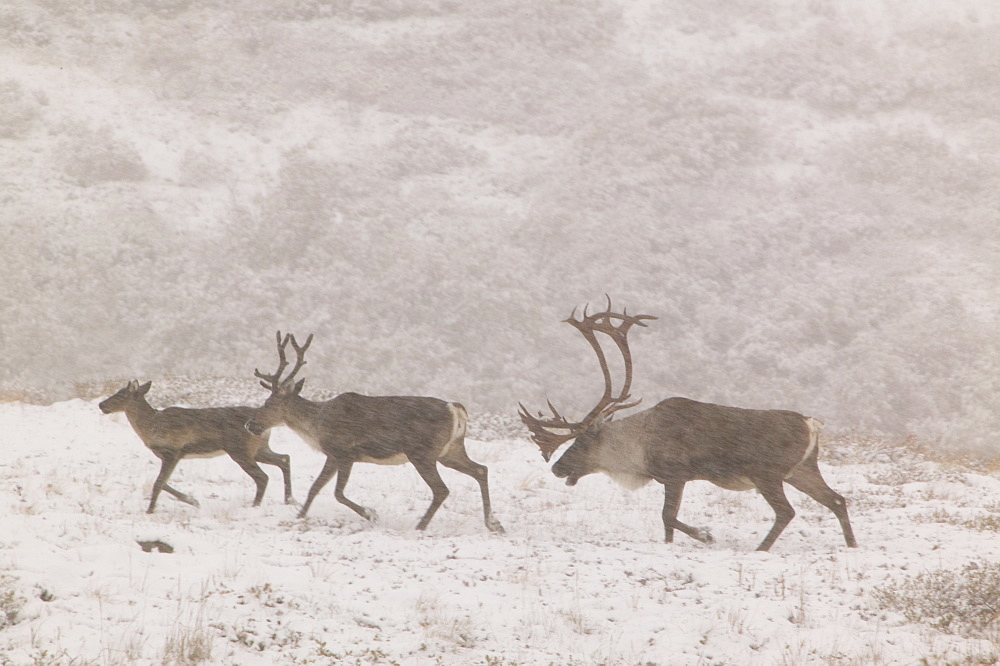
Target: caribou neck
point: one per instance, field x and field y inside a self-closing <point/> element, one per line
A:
<point x="306" y="418"/>
<point x="622" y="453"/>
<point x="140" y="415"/>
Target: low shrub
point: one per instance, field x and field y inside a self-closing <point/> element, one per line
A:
<point x="965" y="602"/>
<point x="11" y="602"/>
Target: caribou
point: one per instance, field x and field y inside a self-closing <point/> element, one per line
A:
<point x="175" y="433"/>
<point x="680" y="440"/>
<point x="384" y="430"/>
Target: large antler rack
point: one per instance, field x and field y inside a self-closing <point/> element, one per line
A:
<point x="541" y="428"/>
<point x="274" y="382"/>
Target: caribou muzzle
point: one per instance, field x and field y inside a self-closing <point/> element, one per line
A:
<point x="561" y="473"/>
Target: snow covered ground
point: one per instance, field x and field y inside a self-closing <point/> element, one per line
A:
<point x="581" y="577"/>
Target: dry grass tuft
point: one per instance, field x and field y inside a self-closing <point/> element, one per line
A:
<point x="965" y="602"/>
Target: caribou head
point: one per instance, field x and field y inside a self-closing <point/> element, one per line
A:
<point x="282" y="389"/>
<point x="549" y="433"/>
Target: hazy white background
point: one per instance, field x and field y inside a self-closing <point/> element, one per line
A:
<point x="805" y="193"/>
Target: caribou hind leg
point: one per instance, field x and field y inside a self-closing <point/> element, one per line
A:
<point x="254" y="471"/>
<point x="458" y="459"/>
<point x="808" y="479"/>
<point x="281" y="461"/>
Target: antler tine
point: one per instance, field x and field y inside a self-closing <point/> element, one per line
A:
<point x="300" y="354"/>
<point x="617" y="407"/>
<point x="540" y="434"/>
<point x="603" y="322"/>
<point x="270" y="382"/>
<point x="558" y="420"/>
<point x="304" y="347"/>
<point x="559" y="417"/>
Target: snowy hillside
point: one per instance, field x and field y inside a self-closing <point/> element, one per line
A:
<point x="580" y="578"/>
<point x="802" y="191"/>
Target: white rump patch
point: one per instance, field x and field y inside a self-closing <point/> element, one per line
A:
<point x="459" y="419"/>
<point x="814" y="426"/>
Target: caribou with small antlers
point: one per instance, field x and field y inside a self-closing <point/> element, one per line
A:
<point x="175" y="433"/>
<point x="681" y="440"/>
<point x="386" y="430"/>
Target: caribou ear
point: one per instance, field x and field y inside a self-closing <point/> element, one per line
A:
<point x="133" y="386"/>
<point x="298" y="386"/>
<point x="144" y="389"/>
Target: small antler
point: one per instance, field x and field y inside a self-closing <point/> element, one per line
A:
<point x="271" y="382"/>
<point x="589" y="325"/>
<point x="274" y="382"/>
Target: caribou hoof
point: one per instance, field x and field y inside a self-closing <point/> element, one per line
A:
<point x="369" y="514"/>
<point x="291" y="501"/>
<point x="704" y="535"/>
<point x="493" y="525"/>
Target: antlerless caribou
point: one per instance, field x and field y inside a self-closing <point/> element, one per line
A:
<point x="175" y="433"/>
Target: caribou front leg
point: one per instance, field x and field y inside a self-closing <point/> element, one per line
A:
<point x="343" y="474"/>
<point x="168" y="462"/>
<point x="673" y="491"/>
<point x="183" y="497"/>
<point x="329" y="469"/>
<point x="283" y="462"/>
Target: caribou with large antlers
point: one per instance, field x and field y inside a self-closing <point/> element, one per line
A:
<point x="681" y="440"/>
<point x="388" y="430"/>
<point x="177" y="432"/>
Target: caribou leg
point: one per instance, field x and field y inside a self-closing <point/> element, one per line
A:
<point x="429" y="473"/>
<point x="343" y="474"/>
<point x="255" y="472"/>
<point x="168" y="463"/>
<point x="673" y="491"/>
<point x="329" y="469"/>
<point x="458" y="459"/>
<point x="184" y="497"/>
<point x="281" y="461"/>
<point x="773" y="490"/>
<point x="808" y="479"/>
